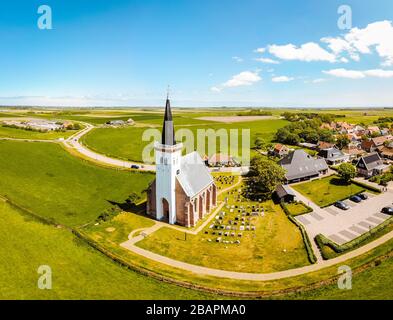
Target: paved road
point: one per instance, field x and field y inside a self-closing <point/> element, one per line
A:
<point x="253" y="276"/>
<point x="75" y="143"/>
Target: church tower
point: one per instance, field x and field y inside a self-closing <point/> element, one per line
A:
<point x="168" y="158"/>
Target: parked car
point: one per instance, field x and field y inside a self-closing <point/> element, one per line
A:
<point x="356" y="199"/>
<point x="341" y="205"/>
<point x="134" y="166"/>
<point x="363" y="196"/>
<point x="387" y="210"/>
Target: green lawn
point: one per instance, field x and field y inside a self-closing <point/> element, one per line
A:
<point x="328" y="190"/>
<point x="6" y="132"/>
<point x="375" y="283"/>
<point x="47" y="180"/>
<point x="297" y="208"/>
<point x="117" y="229"/>
<point x="78" y="271"/>
<point x="275" y="245"/>
<point x="126" y="143"/>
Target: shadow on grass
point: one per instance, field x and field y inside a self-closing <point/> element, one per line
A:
<point x="339" y="182"/>
<point x="139" y="209"/>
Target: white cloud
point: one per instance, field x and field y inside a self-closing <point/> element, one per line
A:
<point x="310" y="51"/>
<point x="356" y="74"/>
<point x="344" y="73"/>
<point x="260" y="50"/>
<point x="357" y="41"/>
<point x="237" y="59"/>
<point x="245" y="78"/>
<point x="320" y="80"/>
<point x="379" y="73"/>
<point x="282" y="79"/>
<point x="267" y="60"/>
<point x="215" y="89"/>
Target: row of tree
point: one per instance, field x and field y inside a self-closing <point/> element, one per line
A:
<point x="304" y="131"/>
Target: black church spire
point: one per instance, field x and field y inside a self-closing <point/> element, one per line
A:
<point x="168" y="132"/>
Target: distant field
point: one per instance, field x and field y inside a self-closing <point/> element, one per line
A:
<point x="46" y="179"/>
<point x="6" y="132"/>
<point x="78" y="271"/>
<point x="126" y="143"/>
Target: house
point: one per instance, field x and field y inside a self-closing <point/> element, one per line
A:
<point x="333" y="156"/>
<point x="345" y="128"/>
<point x="116" y="122"/>
<point x="300" y="166"/>
<point x="386" y="151"/>
<point x="311" y="146"/>
<point x="284" y="193"/>
<point x="354" y="138"/>
<point x="372" y="144"/>
<point x="353" y="152"/>
<point x="183" y="191"/>
<point x="385" y="131"/>
<point x="221" y="159"/>
<point x="373" y="129"/>
<point x="359" y="130"/>
<point x="280" y="150"/>
<point x="371" y="165"/>
<point x="321" y="145"/>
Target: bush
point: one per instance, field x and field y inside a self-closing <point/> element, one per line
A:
<point x="366" y="186"/>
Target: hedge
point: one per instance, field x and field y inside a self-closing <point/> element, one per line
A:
<point x="307" y="243"/>
<point x="366" y="186"/>
<point x="322" y="241"/>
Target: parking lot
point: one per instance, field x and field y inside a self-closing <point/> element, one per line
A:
<point x="342" y="226"/>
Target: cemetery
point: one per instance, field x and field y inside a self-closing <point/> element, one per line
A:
<point x="244" y="236"/>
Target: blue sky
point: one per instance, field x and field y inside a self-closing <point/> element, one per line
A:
<point x="125" y="53"/>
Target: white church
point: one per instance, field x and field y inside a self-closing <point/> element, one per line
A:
<point x="184" y="190"/>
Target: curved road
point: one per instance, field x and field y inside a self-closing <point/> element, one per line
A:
<point x="74" y="142"/>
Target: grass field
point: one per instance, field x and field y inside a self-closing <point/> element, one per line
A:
<point x="6" y="132"/>
<point x="44" y="178"/>
<point x="328" y="190"/>
<point x="373" y="284"/>
<point x="78" y="271"/>
<point x="297" y="208"/>
<point x="126" y="143"/>
<point x="117" y="229"/>
<point x="276" y="244"/>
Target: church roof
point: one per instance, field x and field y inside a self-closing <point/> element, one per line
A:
<point x="168" y="131"/>
<point x="194" y="175"/>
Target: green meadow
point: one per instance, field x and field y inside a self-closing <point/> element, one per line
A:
<point x="78" y="271"/>
<point x="126" y="143"/>
<point x="16" y="133"/>
<point x="44" y="178"/>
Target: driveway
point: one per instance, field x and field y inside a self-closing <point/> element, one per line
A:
<point x="343" y="226"/>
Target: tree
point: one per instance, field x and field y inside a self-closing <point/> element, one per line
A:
<point x="259" y="143"/>
<point x="264" y="176"/>
<point x="346" y="171"/>
<point x="342" y="141"/>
